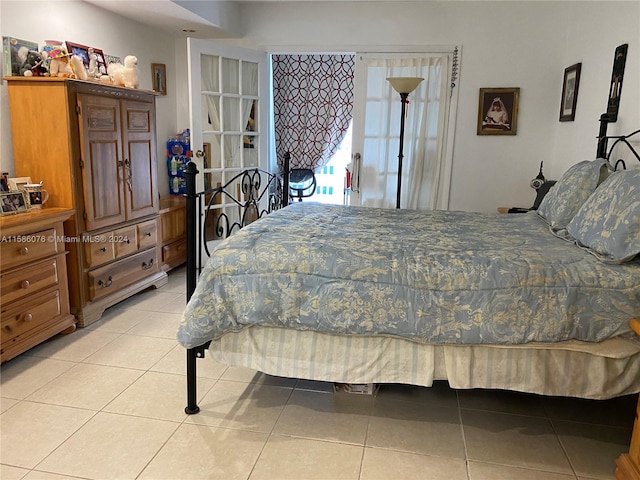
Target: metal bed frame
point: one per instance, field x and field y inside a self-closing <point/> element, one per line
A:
<point x="263" y="193"/>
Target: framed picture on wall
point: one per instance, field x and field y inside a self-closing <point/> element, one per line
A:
<point x="619" y="61"/>
<point x="498" y="111"/>
<point x="569" y="97"/>
<point x="159" y="77"/>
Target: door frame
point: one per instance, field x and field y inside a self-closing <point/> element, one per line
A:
<point x="444" y="186"/>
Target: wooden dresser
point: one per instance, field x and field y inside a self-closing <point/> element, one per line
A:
<point x="33" y="279"/>
<point x="628" y="464"/>
<point x="173" y="221"/>
<point x="96" y="154"/>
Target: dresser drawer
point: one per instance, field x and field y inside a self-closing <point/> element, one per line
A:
<point x="124" y="241"/>
<point x="99" y="249"/>
<point x="29" y="315"/>
<point x="147" y="234"/>
<point x="20" y="249"/>
<point x="28" y="280"/>
<point x="175" y="253"/>
<point x="109" y="279"/>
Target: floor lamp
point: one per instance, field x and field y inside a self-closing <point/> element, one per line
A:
<point x="404" y="86"/>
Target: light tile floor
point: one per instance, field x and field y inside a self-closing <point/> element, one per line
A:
<point x="107" y="402"/>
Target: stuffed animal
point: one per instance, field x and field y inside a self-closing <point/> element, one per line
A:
<point x="124" y="75"/>
<point x="59" y="66"/>
<point x="76" y="64"/>
<point x="33" y="65"/>
<point x="17" y="59"/>
<point x="93" y="71"/>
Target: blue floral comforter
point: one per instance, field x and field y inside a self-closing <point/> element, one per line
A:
<point x="435" y="277"/>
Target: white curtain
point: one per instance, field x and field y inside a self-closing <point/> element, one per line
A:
<point x="210" y="84"/>
<point x="423" y="133"/>
<point x="236" y="110"/>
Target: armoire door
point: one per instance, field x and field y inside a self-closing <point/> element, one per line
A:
<point x="139" y="162"/>
<point x="102" y="165"/>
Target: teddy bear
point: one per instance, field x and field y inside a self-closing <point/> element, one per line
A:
<point x="59" y="66"/>
<point x="124" y="75"/>
<point x="33" y="65"/>
<point x="17" y="59"/>
<point x="77" y="65"/>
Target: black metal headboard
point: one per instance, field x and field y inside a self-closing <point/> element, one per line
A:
<point x="612" y="151"/>
<point x="251" y="194"/>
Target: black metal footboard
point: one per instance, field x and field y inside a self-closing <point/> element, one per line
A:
<point x="257" y="193"/>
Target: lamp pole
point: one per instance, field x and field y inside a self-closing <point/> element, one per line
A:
<point x="403" y="97"/>
<point x="404" y="86"/>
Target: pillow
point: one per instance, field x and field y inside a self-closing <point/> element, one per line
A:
<point x="608" y="224"/>
<point x="566" y="197"/>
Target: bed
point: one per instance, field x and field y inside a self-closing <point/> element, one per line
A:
<point x="362" y="295"/>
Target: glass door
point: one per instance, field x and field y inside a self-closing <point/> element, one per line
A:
<point x="376" y="131"/>
<point x="228" y="90"/>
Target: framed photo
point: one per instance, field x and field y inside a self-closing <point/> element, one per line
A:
<point x="498" y="111"/>
<point x="100" y="60"/>
<point x="619" y="61"/>
<point x="18" y="183"/>
<point x="10" y="48"/>
<point x="13" y="202"/>
<point x="570" y="93"/>
<point x="159" y="77"/>
<point x="81" y="50"/>
<point x="109" y="59"/>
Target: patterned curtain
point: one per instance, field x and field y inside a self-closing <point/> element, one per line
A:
<point x="313" y="105"/>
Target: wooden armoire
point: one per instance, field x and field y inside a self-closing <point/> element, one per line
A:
<point x="94" y="148"/>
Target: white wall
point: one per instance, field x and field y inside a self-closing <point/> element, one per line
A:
<point x="89" y="25"/>
<point x="600" y="28"/>
<point x="504" y="44"/>
<point x="525" y="44"/>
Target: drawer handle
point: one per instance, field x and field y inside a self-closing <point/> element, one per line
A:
<point x="24" y="251"/>
<point x="107" y="283"/>
<point x="103" y="249"/>
<point x="25" y="284"/>
<point x="146" y="265"/>
<point x="28" y="317"/>
<point x="148" y="234"/>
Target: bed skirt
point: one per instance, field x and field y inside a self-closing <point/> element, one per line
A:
<point x="576" y="369"/>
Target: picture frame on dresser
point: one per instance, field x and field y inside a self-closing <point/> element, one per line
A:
<point x="80" y="50"/>
<point x="13" y="202"/>
<point x="18" y="183"/>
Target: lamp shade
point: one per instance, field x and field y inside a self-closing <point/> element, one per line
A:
<point x="404" y="84"/>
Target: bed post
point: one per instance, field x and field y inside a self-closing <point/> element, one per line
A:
<point x="191" y="171"/>
<point x="285" y="179"/>
<point x="601" y="152"/>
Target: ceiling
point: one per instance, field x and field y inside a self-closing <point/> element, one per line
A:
<point x="173" y="19"/>
<point x="164" y="15"/>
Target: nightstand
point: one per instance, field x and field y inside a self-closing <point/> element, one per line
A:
<point x="513" y="210"/>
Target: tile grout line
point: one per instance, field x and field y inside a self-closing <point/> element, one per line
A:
<point x="253" y="467"/>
